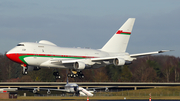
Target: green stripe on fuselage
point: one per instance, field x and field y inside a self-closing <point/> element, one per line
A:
<point x="25" y="56"/>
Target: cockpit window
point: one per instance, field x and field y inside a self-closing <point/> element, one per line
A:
<point x="20" y="45"/>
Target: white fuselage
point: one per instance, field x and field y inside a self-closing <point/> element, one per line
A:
<point x="71" y="87"/>
<point x="47" y="54"/>
<point x="39" y="54"/>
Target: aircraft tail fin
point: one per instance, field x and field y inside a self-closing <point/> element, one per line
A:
<point x="119" y="41"/>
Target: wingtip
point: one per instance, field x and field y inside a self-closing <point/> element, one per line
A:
<point x="162" y="51"/>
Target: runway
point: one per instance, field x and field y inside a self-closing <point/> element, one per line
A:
<point x="92" y="100"/>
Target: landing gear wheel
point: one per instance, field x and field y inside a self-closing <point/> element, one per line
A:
<point x="24" y="72"/>
<point x="81" y="76"/>
<point x="77" y="74"/>
<point x="56" y="74"/>
<point x="74" y="76"/>
<point x="58" y="77"/>
<point x="74" y="73"/>
<point x="69" y="75"/>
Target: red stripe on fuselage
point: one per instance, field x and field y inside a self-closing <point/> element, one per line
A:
<point x="15" y="56"/>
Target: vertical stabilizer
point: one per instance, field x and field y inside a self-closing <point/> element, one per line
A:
<point x="119" y="41"/>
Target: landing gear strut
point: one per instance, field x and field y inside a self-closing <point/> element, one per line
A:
<point x="75" y="74"/>
<point x="24" y="71"/>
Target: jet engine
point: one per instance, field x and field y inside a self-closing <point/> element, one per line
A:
<point x="106" y="90"/>
<point x="48" y="92"/>
<point x="118" y="62"/>
<point x="35" y="91"/>
<point x="79" y="65"/>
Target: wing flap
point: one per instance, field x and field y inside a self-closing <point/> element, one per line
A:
<point x="59" y="61"/>
<point x="102" y="59"/>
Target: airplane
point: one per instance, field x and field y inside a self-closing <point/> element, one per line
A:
<point x="33" y="55"/>
<point x="4" y="90"/>
<point x="72" y="88"/>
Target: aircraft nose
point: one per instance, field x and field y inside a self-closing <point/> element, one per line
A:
<point x="8" y="55"/>
<point x="14" y="57"/>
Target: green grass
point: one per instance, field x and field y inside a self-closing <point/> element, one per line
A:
<point x="156" y="93"/>
<point x="163" y="91"/>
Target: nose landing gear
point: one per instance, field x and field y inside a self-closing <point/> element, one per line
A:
<point x="24" y="71"/>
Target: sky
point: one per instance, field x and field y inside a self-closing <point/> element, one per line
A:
<point x="91" y="23"/>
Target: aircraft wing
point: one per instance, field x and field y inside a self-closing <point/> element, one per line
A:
<point x="63" y="90"/>
<point x="102" y="59"/>
<point x="148" y="53"/>
<point x="131" y="57"/>
<point x="58" y="61"/>
<point x="106" y="89"/>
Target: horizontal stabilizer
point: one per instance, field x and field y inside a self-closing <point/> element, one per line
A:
<point x="85" y="91"/>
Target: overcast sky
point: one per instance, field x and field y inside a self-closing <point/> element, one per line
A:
<point x="91" y="23"/>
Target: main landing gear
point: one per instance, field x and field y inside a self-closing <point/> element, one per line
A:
<point x="75" y="74"/>
<point x="56" y="74"/>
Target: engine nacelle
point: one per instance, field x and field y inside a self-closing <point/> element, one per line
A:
<point x="119" y="62"/>
<point x="35" y="91"/>
<point x="106" y="90"/>
<point x="79" y="65"/>
<point x="48" y="92"/>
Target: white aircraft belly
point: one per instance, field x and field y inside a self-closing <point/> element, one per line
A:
<point x="35" y="60"/>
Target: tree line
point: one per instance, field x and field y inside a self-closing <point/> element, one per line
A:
<point x="157" y="68"/>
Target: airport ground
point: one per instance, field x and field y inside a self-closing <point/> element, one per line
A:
<point x="170" y="93"/>
<point x="96" y="98"/>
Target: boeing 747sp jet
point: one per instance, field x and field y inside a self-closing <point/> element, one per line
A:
<point x="33" y="56"/>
